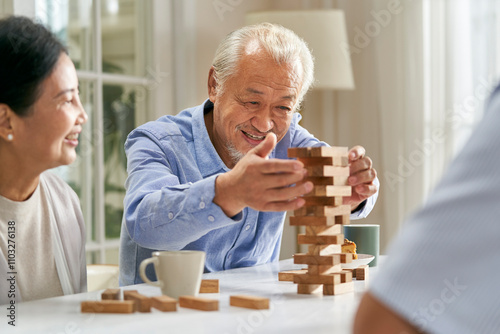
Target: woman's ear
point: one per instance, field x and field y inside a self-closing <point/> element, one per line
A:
<point x="212" y="85"/>
<point x="6" y="131"/>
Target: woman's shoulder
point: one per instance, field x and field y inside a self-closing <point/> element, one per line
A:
<point x="58" y="187"/>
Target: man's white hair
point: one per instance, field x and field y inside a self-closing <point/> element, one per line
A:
<point x="282" y="44"/>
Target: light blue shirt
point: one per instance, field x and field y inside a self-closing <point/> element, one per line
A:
<point x="172" y="167"/>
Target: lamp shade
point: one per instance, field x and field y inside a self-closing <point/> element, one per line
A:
<point x="325" y="33"/>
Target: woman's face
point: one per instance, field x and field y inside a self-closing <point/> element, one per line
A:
<point x="49" y="135"/>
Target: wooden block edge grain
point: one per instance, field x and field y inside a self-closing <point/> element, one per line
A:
<point x="209" y="286"/>
<point x="111" y="294"/>
<point x="143" y="303"/>
<point x="253" y="302"/>
<point x="164" y="303"/>
<point x="108" y="306"/>
<point x="196" y="303"/>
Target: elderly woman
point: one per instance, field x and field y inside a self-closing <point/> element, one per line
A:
<point x="42" y="233"/>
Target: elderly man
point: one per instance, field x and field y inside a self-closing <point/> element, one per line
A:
<point x="216" y="177"/>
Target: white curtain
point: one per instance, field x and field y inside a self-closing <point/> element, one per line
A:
<point x="423" y="70"/>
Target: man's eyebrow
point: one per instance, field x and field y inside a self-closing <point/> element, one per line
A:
<point x="70" y="90"/>
<point x="255" y="91"/>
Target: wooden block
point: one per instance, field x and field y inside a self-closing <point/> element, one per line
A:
<point x="287" y="275"/>
<point x="353" y="272"/>
<point x="314" y="269"/>
<point x="253" y="302"/>
<point x="307" y="289"/>
<point x="337" y="239"/>
<point x="323" y="211"/>
<point x="362" y="272"/>
<point x="209" y="286"/>
<point x="343" y="219"/>
<point x="322" y="151"/>
<point x="315" y="201"/>
<point x="108" y="306"/>
<point x="337" y="289"/>
<point x="164" y="303"/>
<point x="327" y="171"/>
<point x="111" y="294"/>
<point x="143" y="303"/>
<point x="335" y="180"/>
<point x="324" y="230"/>
<point x="317" y="161"/>
<point x="307" y="278"/>
<point x="197" y="303"/>
<point x="324" y="249"/>
<point x="341" y="161"/>
<point x="331" y="260"/>
<point x="330" y="191"/>
<point x="312" y="221"/>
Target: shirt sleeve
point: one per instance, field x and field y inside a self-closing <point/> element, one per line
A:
<point x="441" y="272"/>
<point x="160" y="212"/>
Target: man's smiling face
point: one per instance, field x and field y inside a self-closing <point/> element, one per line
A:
<point x="259" y="98"/>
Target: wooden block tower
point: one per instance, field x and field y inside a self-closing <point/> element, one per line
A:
<point x="323" y="217"/>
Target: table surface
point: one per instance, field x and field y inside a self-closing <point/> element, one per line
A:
<point x="289" y="312"/>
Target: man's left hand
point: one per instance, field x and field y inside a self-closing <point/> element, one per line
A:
<point x="361" y="178"/>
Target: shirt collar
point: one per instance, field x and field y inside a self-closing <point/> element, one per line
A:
<point x="209" y="161"/>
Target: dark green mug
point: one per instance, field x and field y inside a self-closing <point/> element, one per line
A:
<point x="366" y="237"/>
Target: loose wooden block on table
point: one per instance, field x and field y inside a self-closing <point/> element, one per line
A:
<point x="362" y="272"/>
<point x="287" y="275"/>
<point x="143" y="303"/>
<point x="111" y="294"/>
<point x="209" y="286"/>
<point x="322" y="151"/>
<point x="164" y="303"/>
<point x="253" y="302"/>
<point x="108" y="306"/>
<point x="331" y="260"/>
<point x="197" y="303"/>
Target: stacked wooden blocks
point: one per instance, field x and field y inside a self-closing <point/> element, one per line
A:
<point x="323" y="216"/>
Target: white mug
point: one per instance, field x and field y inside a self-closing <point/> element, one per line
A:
<point x="179" y="272"/>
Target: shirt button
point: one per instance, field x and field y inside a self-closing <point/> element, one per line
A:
<point x="247" y="227"/>
<point x="202" y="205"/>
<point x="170" y="215"/>
<point x="211" y="218"/>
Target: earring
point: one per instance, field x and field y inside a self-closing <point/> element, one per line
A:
<point x="10" y="136"/>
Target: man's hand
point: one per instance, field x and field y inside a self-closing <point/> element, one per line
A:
<point x="260" y="183"/>
<point x="362" y="177"/>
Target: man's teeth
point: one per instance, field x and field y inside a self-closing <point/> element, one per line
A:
<point x="255" y="137"/>
<point x="73" y="136"/>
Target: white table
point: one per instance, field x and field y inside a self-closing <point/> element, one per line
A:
<point x="289" y="312"/>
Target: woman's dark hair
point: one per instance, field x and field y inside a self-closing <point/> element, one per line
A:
<point x="28" y="54"/>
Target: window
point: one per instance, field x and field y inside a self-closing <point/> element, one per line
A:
<point x="110" y="43"/>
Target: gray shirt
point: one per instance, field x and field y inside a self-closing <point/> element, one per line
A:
<point x="26" y="252"/>
<point x="442" y="271"/>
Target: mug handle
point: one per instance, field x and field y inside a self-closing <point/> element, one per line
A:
<point x="142" y="271"/>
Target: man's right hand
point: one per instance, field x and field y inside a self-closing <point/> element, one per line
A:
<point x="261" y="183"/>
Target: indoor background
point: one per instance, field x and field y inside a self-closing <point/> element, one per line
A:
<point x="422" y="72"/>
